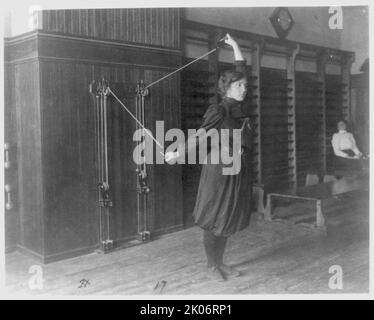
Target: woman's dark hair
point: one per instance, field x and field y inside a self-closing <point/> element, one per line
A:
<point x="348" y="128"/>
<point x="226" y="78"/>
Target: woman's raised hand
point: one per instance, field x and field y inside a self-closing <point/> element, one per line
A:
<point x="230" y="40"/>
<point x="237" y="52"/>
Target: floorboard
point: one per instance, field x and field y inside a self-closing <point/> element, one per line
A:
<point x="274" y="258"/>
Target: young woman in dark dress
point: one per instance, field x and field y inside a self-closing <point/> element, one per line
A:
<point x="223" y="202"/>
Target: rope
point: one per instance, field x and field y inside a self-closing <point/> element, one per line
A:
<point x="137" y="121"/>
<point x="181" y="68"/>
<point x="157" y="81"/>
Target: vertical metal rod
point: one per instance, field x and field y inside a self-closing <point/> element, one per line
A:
<point x="106" y="172"/>
<point x="102" y="209"/>
<point x="102" y="137"/>
<point x="137" y="165"/>
<point x="97" y="128"/>
<point x="145" y="213"/>
<point x="97" y="133"/>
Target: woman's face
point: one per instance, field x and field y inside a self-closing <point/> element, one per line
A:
<point x="342" y="125"/>
<point x="237" y="90"/>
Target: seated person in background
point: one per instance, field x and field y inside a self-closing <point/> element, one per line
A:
<point x="347" y="154"/>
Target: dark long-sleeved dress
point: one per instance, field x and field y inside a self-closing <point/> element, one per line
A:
<point x="223" y="202"/>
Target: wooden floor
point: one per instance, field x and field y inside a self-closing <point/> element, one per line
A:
<point x="274" y="258"/>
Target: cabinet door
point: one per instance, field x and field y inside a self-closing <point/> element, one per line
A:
<point x="122" y="169"/>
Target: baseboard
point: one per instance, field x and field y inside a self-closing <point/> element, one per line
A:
<point x="171" y="229"/>
<point x="134" y="240"/>
<point x="70" y="254"/>
<point x="56" y="257"/>
<point x="119" y="244"/>
<point x="30" y="253"/>
<point x="9" y="249"/>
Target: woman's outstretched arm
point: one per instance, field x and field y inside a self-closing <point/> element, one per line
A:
<point x="214" y="114"/>
<point x="237" y="51"/>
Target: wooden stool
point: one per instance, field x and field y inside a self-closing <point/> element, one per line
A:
<point x="258" y="197"/>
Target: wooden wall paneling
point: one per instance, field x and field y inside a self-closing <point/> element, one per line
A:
<point x="89" y="15"/>
<point x="175" y="115"/>
<point x="291" y="79"/>
<point x="309" y="125"/>
<point x="69" y="28"/>
<point x="86" y="132"/>
<point x="155" y="110"/>
<point x="92" y="51"/>
<point x="177" y="31"/>
<point x="159" y="172"/>
<point x="158" y="109"/>
<point x="75" y="18"/>
<point x="360" y="110"/>
<point x="68" y="158"/>
<point x="167" y="205"/>
<point x="153" y="26"/>
<point x="83" y="25"/>
<point x="213" y="65"/>
<point x="274" y="129"/>
<point x="122" y="175"/>
<point x="29" y="151"/>
<point x="129" y="220"/>
<point x="334" y="112"/>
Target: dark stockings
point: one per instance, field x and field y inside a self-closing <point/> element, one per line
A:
<point x="214" y="248"/>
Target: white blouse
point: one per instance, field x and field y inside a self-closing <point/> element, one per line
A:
<point x="344" y="140"/>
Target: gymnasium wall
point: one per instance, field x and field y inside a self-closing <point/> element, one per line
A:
<point x="311" y="26"/>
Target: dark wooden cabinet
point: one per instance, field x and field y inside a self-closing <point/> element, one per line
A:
<point x="48" y="73"/>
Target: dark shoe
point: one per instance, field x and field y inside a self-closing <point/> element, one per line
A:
<point x="229" y="271"/>
<point x="215" y="274"/>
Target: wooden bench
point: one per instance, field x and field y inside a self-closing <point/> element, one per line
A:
<point x="318" y="194"/>
<point x="258" y="197"/>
